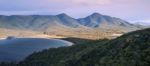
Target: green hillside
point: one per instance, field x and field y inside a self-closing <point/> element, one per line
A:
<point x="132" y="49"/>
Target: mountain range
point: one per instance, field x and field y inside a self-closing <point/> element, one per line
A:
<point x="47" y="22"/>
<point x="93" y="26"/>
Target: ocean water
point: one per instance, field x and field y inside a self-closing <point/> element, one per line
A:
<point x="17" y="49"/>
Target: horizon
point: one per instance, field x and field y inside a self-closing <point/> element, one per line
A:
<point x="129" y="10"/>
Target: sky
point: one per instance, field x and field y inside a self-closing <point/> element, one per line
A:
<point x="130" y="10"/>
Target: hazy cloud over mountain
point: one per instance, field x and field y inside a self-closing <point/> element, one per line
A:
<point x="130" y="10"/>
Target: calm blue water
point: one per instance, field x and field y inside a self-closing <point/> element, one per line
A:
<point x="16" y="49"/>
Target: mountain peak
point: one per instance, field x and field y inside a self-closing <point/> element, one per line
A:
<point x="97" y="20"/>
<point x="96" y="14"/>
<point x="62" y="14"/>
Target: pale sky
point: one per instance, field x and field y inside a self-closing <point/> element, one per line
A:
<point x="130" y="10"/>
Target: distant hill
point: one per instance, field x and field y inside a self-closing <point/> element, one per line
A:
<point x="32" y="22"/>
<point x="131" y="49"/>
<point x="97" y="20"/>
<point x="143" y="24"/>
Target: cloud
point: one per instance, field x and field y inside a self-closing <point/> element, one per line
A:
<point x="91" y="2"/>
